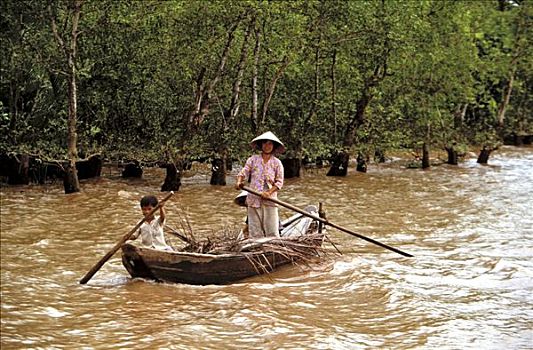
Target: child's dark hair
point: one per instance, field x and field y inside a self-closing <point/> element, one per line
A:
<point x="148" y="201"/>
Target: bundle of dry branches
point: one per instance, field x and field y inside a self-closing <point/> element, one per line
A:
<point x="298" y="249"/>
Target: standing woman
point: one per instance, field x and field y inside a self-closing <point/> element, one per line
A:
<point x="265" y="172"/>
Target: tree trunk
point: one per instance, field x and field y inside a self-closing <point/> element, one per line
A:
<point x="218" y="165"/>
<point x="334" y="95"/>
<point x="339" y="164"/>
<point x="218" y="172"/>
<point x="357" y="120"/>
<point x="505" y="102"/>
<point x="459" y="116"/>
<point x="518" y="51"/>
<point x="425" y="156"/>
<point x="70" y="181"/>
<point x="203" y="92"/>
<point x="89" y="168"/>
<point x="361" y="163"/>
<point x="18" y="170"/>
<point x="236" y="90"/>
<point x="255" y="73"/>
<point x="452" y="155"/>
<point x="269" y="93"/>
<point x="484" y="155"/>
<point x="14" y="96"/>
<point x="372" y="80"/>
<point x="518" y="140"/>
<point x="291" y="167"/>
<point x="257" y="118"/>
<point x="172" y="179"/>
<point x="316" y="85"/>
<point x="379" y="156"/>
<point x="132" y="169"/>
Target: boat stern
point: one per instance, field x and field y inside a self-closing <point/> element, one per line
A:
<point x="134" y="263"/>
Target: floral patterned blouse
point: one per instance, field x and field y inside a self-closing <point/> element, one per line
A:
<point x="263" y="175"/>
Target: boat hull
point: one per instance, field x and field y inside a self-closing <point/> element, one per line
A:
<point x="194" y="268"/>
<point x="197" y="268"/>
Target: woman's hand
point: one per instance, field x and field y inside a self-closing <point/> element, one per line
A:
<point x="239" y="184"/>
<point x="268" y="194"/>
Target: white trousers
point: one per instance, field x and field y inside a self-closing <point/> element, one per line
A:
<point x="263" y="221"/>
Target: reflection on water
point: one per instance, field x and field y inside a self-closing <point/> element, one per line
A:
<point x="469" y="285"/>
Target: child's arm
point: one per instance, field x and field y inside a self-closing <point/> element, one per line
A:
<point x="135" y="235"/>
<point x="162" y="213"/>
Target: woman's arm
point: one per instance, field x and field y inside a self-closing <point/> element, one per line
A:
<point x="244" y="173"/>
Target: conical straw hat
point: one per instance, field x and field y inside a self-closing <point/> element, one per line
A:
<point x="280" y="147"/>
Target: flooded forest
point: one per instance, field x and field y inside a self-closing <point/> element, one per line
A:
<point x="164" y="84"/>
<point x="409" y="122"/>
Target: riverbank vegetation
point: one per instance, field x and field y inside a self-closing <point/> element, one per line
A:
<point x="174" y="81"/>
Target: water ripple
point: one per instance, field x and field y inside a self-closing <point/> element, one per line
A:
<point x="470" y="284"/>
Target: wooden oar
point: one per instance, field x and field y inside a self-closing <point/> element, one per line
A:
<point x="117" y="246"/>
<point x="326" y="222"/>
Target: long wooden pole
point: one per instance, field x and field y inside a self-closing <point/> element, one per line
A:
<point x="117" y="246"/>
<point x="326" y="222"/>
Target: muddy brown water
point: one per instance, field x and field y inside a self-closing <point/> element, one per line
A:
<point x="469" y="286"/>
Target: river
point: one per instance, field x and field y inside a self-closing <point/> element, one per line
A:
<point x="468" y="286"/>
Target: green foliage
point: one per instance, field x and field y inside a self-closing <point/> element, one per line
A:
<point x="142" y="63"/>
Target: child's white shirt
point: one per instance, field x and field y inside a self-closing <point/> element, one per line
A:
<point x="152" y="234"/>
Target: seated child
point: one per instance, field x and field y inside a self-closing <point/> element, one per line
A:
<point x="151" y="231"/>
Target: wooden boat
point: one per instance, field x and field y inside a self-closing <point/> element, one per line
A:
<point x="300" y="234"/>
